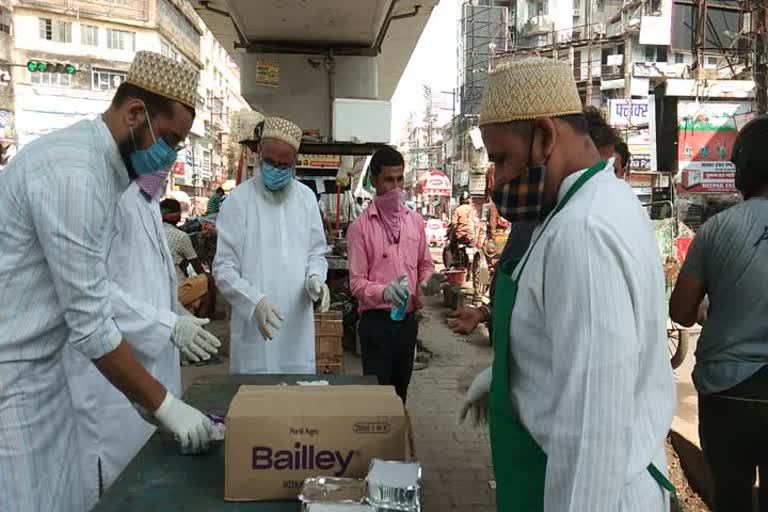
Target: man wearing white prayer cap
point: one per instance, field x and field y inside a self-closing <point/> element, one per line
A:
<point x="58" y="198"/>
<point x="581" y="390"/>
<point x="270" y="262"/>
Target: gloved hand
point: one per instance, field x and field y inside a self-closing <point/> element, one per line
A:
<point x="319" y="292"/>
<point x="434" y="284"/>
<point x="477" y="398"/>
<point x="188" y="334"/>
<point x="268" y="318"/>
<point x="191" y="427"/>
<point x="396" y="292"/>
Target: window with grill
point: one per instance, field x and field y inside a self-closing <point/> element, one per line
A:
<point x="179" y="22"/>
<point x="168" y="50"/>
<point x="5" y="20"/>
<point x="89" y="35"/>
<point x="51" y="79"/>
<point x="121" y="40"/>
<point x="55" y="30"/>
<point x="107" y="80"/>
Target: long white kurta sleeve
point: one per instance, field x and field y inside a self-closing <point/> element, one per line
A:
<point x="316" y="262"/>
<point x="146" y="327"/>
<point x="227" y="264"/>
<point x="591" y="326"/>
<point x="67" y="219"/>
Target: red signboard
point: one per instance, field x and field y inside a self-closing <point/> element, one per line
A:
<point x="179" y="169"/>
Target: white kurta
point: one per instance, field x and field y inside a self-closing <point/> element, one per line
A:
<point x="591" y="378"/>
<point x="57" y="201"/>
<point x="143" y="295"/>
<point x="268" y="245"/>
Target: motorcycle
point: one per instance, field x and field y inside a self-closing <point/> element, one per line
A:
<point x="484" y="266"/>
<point x="458" y="253"/>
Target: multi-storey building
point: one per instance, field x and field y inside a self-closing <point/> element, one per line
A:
<point x="99" y="39"/>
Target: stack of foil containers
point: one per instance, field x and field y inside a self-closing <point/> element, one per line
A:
<point x="393" y="486"/>
<point x="390" y="486"/>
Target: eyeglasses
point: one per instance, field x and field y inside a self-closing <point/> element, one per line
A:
<point x="281" y="167"/>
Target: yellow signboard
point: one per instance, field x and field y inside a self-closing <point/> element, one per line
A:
<point x="267" y="72"/>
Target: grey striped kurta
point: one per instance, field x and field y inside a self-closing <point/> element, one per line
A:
<point x="57" y="201"/>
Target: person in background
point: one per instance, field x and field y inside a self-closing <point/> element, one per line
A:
<point x="603" y="136"/>
<point x="214" y="202"/>
<point x="463" y="220"/>
<point x="270" y="261"/>
<point x="58" y="198"/>
<point x="196" y="293"/>
<point x="358" y="208"/>
<point x="581" y="391"/>
<point x="621" y="159"/>
<point x="389" y="263"/>
<point x="728" y="262"/>
<point x="142" y="289"/>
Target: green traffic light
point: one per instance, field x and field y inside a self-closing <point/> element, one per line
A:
<point x="70" y="69"/>
<point x="32" y="66"/>
<point x="42" y="67"/>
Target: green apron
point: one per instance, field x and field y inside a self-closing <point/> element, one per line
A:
<point x="519" y="463"/>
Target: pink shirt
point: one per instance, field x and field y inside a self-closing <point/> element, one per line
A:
<point x="374" y="262"/>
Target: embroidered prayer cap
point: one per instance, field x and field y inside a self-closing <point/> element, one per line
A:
<point x="527" y="89"/>
<point x="281" y="129"/>
<point x="165" y="77"/>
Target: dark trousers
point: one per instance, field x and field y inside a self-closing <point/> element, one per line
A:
<point x="734" y="438"/>
<point x="388" y="348"/>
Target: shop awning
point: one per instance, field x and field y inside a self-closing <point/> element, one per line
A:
<point x="436" y="183"/>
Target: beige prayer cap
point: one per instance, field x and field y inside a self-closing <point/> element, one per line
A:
<point x="281" y="129"/>
<point x="165" y="77"/>
<point x="528" y="89"/>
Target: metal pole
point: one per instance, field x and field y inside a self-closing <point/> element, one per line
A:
<point x="759" y="65"/>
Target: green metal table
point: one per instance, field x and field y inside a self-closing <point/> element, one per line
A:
<point x="160" y="479"/>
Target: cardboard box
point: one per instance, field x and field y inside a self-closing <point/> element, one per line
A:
<point x="279" y="435"/>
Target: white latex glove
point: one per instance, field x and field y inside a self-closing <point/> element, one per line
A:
<point x="477" y="398"/>
<point x="190" y="426"/>
<point x="396" y="292"/>
<point x="197" y="343"/>
<point x="268" y="318"/>
<point x="319" y="292"/>
<point x="434" y="283"/>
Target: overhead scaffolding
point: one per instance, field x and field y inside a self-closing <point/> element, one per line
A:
<point x="484" y="32"/>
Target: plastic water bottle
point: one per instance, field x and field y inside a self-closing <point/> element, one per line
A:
<point x="398" y="312"/>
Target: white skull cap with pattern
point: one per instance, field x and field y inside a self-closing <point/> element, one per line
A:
<point x="527" y="89"/>
<point x="282" y="129"/>
<point x="165" y="77"/>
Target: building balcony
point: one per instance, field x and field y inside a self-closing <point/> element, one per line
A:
<point x="136" y="11"/>
<point x="538" y="25"/>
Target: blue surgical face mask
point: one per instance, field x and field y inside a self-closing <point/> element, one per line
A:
<point x="275" y="178"/>
<point x="157" y="157"/>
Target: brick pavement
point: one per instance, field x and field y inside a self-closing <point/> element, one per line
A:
<point x="456" y="458"/>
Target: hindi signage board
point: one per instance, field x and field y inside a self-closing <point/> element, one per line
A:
<point x="267" y="72"/>
<point x="627" y="113"/>
<point x="319" y="161"/>
<point x="705" y="136"/>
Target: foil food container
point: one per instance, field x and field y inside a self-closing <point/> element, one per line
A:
<point x="393" y="486"/>
<point x="328" y="489"/>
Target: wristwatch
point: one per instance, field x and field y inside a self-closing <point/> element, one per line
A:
<point x="486" y="313"/>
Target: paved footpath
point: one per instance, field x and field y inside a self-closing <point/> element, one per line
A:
<point x="456" y="458"/>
